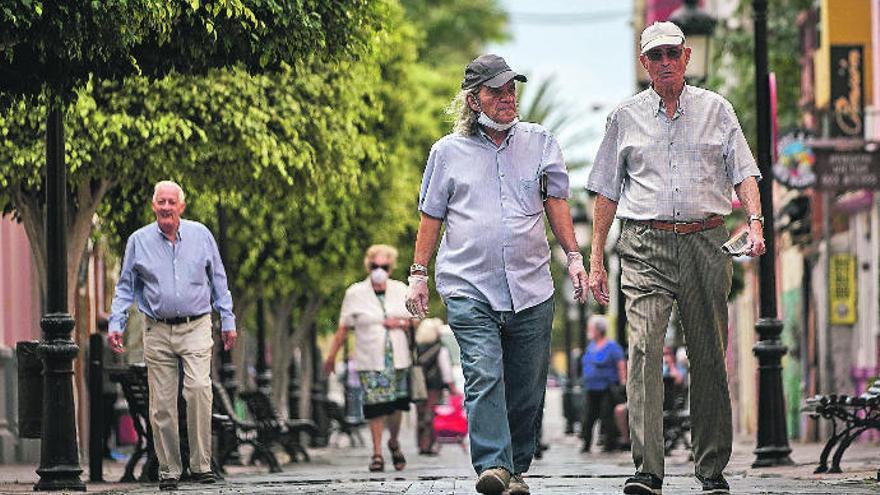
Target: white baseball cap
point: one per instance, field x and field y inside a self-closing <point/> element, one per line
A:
<point x="659" y="34"/>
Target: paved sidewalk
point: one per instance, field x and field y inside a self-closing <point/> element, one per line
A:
<point x="341" y="469"/>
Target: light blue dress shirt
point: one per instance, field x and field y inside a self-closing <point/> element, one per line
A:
<point x="172" y="280"/>
<point x="679" y="169"/>
<point x="494" y="248"/>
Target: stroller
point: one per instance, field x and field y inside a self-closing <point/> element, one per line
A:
<point x="450" y="422"/>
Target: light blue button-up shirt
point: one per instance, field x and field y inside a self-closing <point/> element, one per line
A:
<point x="171" y="280"/>
<point x="678" y="169"/>
<point x="494" y="248"/>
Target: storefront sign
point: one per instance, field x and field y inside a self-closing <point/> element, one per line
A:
<point x="847" y="169"/>
<point x="847" y="91"/>
<point x="795" y="161"/>
<point x="842" y="289"/>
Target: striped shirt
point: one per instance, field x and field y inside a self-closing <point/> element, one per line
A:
<point x="494" y="248"/>
<point x="172" y="280"/>
<point x="678" y="169"/>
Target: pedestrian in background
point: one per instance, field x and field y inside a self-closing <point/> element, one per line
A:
<point x="375" y="308"/>
<point x="434" y="358"/>
<point x="172" y="269"/>
<point x="670" y="160"/>
<point x="604" y="370"/>
<point x="490" y="182"/>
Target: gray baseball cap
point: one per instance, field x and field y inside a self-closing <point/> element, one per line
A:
<point x="489" y="70"/>
<point x="659" y="34"/>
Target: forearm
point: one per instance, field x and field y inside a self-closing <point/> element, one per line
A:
<point x="341" y="333"/>
<point x="426" y="239"/>
<point x="749" y="196"/>
<point x="603" y="215"/>
<point x="559" y="216"/>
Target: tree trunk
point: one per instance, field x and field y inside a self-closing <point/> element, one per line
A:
<point x="279" y="322"/>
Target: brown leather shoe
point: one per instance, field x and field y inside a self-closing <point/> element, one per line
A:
<point x="493" y="481"/>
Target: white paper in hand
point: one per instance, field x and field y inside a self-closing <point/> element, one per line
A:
<point x="737" y="245"/>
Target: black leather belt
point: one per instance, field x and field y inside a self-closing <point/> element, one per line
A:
<point x="180" y="320"/>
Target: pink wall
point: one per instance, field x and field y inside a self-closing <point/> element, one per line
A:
<point x="19" y="307"/>
<point x="660" y="10"/>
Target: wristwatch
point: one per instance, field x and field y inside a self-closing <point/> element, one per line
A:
<point x="759" y="218"/>
<point x="419" y="269"/>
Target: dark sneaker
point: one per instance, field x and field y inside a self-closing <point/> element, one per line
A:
<point x="204" y="478"/>
<point x="717" y="486"/>
<point x="518" y="486"/>
<point x="493" y="481"/>
<point x="643" y="484"/>
<point x="168" y="484"/>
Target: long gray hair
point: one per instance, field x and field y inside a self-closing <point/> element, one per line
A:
<point x="464" y="119"/>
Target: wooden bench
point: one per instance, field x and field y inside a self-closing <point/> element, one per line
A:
<point x="271" y="429"/>
<point x="849" y="416"/>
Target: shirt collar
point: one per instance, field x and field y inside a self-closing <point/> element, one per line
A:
<point x="657" y="103"/>
<point x="505" y="143"/>
<point x="179" y="229"/>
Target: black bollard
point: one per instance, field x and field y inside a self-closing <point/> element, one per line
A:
<point x="293" y="390"/>
<point x="319" y="396"/>
<point x="96" y="407"/>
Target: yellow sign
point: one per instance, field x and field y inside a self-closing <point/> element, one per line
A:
<point x="842" y="289"/>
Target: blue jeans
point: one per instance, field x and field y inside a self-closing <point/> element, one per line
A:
<point x="504" y="357"/>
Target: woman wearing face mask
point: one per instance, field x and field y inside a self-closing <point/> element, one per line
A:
<point x="376" y="309"/>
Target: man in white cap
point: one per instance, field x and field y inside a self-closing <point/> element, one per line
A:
<point x="491" y="181"/>
<point x="671" y="157"/>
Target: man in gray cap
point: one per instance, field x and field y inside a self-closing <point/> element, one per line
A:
<point x="491" y="181"/>
<point x="668" y="165"/>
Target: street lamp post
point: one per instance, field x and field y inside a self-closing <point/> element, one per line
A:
<point x="772" y="448"/>
<point x="697" y="26"/>
<point x="59" y="462"/>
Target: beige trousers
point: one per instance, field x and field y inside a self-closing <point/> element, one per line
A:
<point x="192" y="343"/>
<point x="660" y="267"/>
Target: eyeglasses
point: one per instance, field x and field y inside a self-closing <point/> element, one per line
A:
<point x="656" y="54"/>
<point x="387" y="268"/>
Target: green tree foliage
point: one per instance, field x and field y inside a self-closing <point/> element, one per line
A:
<point x="734" y="62"/>
<point x="75" y="49"/>
<point x="61" y="44"/>
<point x="455" y="31"/>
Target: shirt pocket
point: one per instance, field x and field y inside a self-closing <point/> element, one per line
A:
<point x="529" y="195"/>
<point x="197" y="273"/>
<point x="712" y="169"/>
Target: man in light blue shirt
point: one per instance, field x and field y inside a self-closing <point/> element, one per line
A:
<point x="491" y="182"/>
<point x="172" y="269"/>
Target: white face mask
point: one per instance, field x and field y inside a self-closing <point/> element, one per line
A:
<point x="486" y="121"/>
<point x="378" y="276"/>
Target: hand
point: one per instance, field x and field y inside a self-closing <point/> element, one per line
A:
<point x="578" y="276"/>
<point x="228" y="339"/>
<point x="599" y="282"/>
<point x="756" y="239"/>
<point x="115" y="341"/>
<point x="329" y="366"/>
<point x="417" y="295"/>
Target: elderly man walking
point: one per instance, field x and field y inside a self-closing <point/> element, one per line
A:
<point x="172" y="269"/>
<point x="671" y="157"/>
<point x="490" y="182"/>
